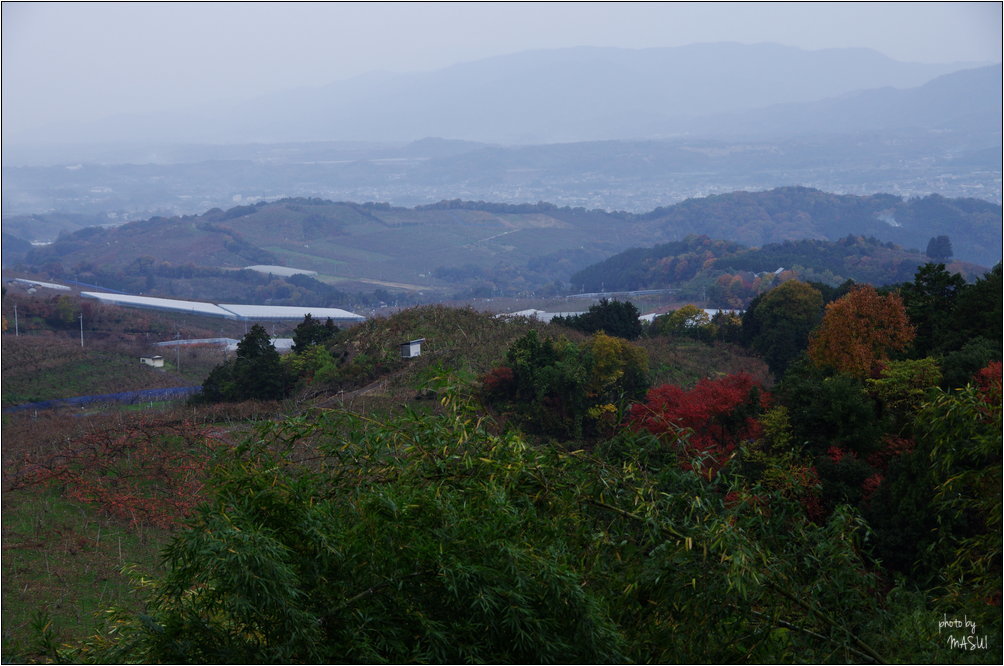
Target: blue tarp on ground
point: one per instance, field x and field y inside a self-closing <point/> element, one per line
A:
<point x="126" y="397"/>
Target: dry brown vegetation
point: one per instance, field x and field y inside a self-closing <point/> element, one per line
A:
<point x="83" y="498"/>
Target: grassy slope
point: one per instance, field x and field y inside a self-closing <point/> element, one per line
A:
<point x="456" y="339"/>
<point x="683" y="362"/>
<point x="401" y="245"/>
<point x="63" y="563"/>
<point x="39" y="368"/>
<point x="64" y="559"/>
<point x="43" y="368"/>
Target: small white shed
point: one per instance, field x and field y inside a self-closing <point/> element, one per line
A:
<point x="412" y="349"/>
<point x="152" y="361"/>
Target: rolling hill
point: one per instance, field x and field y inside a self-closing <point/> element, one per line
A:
<point x="371" y="244"/>
<point x="496" y="247"/>
<point x="729" y="274"/>
<point x="795" y="213"/>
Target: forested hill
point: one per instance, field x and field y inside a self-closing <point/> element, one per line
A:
<point x="729" y="274"/>
<point x="793" y="213"/>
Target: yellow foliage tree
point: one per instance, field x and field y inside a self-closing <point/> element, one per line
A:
<point x="616" y="363"/>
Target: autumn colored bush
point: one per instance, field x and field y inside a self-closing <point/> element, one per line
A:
<point x="497" y="383"/>
<point x="989" y="381"/>
<point x="708" y="421"/>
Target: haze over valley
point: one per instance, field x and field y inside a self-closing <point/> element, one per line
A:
<point x="616" y="129"/>
<point x="589" y="106"/>
<point x="434" y="193"/>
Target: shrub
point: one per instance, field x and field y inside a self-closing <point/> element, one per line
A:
<point x="719" y="414"/>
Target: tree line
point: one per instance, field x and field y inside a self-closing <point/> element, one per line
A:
<point x="731" y="275"/>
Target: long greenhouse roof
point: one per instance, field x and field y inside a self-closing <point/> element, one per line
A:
<point x="229" y="311"/>
<point x="36" y="283"/>
<point x="288" y="312"/>
<point x="194" y="307"/>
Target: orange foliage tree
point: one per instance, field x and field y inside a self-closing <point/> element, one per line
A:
<point x="859" y="331"/>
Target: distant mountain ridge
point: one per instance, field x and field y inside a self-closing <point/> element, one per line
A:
<point x="967" y="102"/>
<point x="574" y="94"/>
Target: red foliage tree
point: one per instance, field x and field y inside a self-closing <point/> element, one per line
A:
<point x="892" y="447"/>
<point x="989" y="381"/>
<point x="719" y="413"/>
<point x="498" y="382"/>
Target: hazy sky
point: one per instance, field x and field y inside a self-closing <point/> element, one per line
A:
<point x="83" y="60"/>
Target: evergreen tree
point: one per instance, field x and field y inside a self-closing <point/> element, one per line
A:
<point x="829" y="409"/>
<point x="930" y="302"/>
<point x="778" y="324"/>
<point x="978" y="311"/>
<point x="939" y="248"/>
<point x="256" y="374"/>
<point x="618" y="318"/>
<point x="312" y="332"/>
